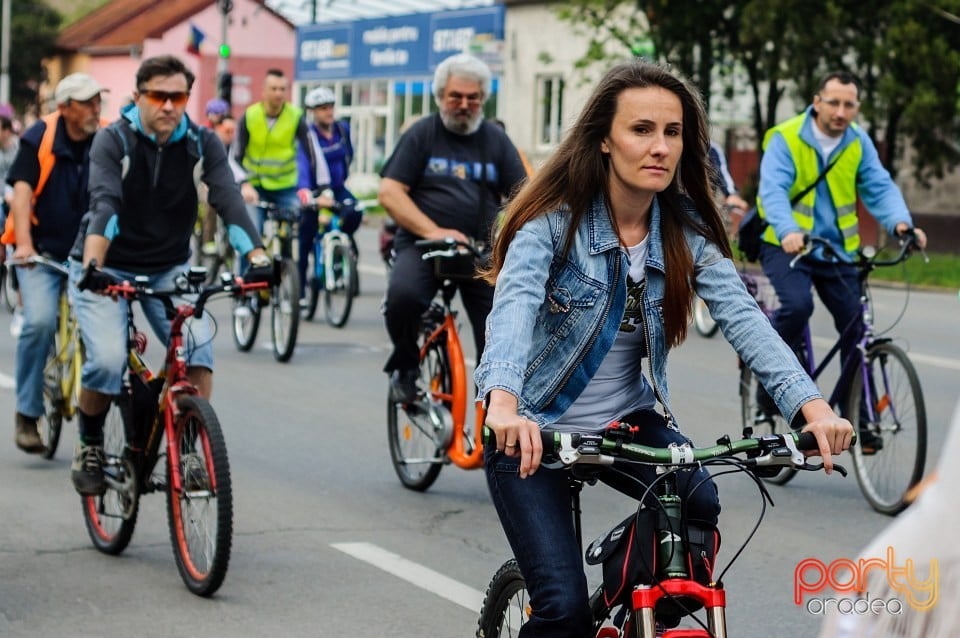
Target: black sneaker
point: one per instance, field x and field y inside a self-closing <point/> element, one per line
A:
<point x="87" y="470"/>
<point x="403" y="385"/>
<point x="870" y="443"/>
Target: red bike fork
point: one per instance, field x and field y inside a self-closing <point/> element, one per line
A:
<point x="645" y="598"/>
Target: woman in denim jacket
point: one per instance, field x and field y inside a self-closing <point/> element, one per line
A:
<point x="596" y="266"/>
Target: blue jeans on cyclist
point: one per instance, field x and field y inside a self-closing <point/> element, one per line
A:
<point x="410" y="291"/>
<point x="537" y="519"/>
<point x="836" y="284"/>
<point x="40" y="290"/>
<point x="103" y="328"/>
<point x="284" y="198"/>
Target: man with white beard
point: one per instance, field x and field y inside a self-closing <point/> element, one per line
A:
<point x="447" y="177"/>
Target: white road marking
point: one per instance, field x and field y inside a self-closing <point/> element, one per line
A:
<point x="7" y="383"/>
<point x="414" y="573"/>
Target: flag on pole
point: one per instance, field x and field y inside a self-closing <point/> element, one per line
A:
<point x="195" y="38"/>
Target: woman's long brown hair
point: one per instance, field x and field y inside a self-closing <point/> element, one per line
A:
<point x="577" y="171"/>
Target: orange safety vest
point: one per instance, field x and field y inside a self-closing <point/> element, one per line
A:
<point x="47" y="160"/>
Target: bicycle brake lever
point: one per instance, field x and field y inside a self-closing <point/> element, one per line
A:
<point x="814" y="467"/>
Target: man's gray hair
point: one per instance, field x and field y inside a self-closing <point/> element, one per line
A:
<point x="461" y="65"/>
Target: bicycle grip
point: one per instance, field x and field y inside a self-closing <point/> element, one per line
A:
<point x="807" y="441"/>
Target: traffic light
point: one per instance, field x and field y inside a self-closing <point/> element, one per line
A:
<point x="225" y="87"/>
<point x="224" y="51"/>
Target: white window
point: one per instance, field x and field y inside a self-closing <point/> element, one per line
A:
<point x="549" y="110"/>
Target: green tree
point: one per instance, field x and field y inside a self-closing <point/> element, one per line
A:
<point x="33" y="31"/>
<point x="905" y="51"/>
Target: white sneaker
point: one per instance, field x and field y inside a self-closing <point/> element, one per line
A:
<point x="16" y="323"/>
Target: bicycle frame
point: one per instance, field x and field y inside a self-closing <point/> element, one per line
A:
<point x="69" y="354"/>
<point x="457" y="397"/>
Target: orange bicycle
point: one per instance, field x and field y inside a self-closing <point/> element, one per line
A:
<point x="433" y="430"/>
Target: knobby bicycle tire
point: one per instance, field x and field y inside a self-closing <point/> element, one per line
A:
<point x="247" y="324"/>
<point x="761" y="422"/>
<point x="285" y="312"/>
<point x="338" y="290"/>
<point x="506" y="605"/>
<point x="703" y="323"/>
<point x="417" y="441"/>
<point x="200" y="515"/>
<point x="111" y="517"/>
<point x="897" y="465"/>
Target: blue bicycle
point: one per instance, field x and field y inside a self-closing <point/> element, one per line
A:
<point x="332" y="267"/>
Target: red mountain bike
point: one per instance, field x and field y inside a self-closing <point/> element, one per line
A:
<point x="162" y="436"/>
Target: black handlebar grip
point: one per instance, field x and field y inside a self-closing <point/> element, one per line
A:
<point x="807" y="441"/>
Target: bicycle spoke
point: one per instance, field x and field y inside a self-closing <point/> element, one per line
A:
<point x="890" y="412"/>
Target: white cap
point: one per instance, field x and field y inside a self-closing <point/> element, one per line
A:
<point x="77" y="86"/>
<point x="318" y="96"/>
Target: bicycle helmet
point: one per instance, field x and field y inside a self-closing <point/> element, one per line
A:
<point x="319" y="96"/>
<point x="216" y="106"/>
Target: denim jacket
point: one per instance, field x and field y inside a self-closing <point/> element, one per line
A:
<point x="553" y="321"/>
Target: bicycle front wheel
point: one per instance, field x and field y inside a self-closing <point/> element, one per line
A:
<point x="111" y="517"/>
<point x="702" y="321"/>
<point x="339" y="288"/>
<point x="285" y="312"/>
<point x="895" y="429"/>
<point x="246" y="321"/>
<point x="200" y="513"/>
<point x="762" y="420"/>
<point x="506" y="604"/>
<point x="420" y="432"/>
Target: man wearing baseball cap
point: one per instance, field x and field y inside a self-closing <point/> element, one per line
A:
<point x="49" y="179"/>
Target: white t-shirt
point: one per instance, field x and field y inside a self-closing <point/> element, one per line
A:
<point x="827" y="143"/>
<point x="619" y="387"/>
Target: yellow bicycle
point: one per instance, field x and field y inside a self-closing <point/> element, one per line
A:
<point x="61" y="374"/>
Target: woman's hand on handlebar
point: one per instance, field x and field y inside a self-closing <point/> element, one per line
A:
<point x="515" y="434"/>
<point x="834" y="434"/>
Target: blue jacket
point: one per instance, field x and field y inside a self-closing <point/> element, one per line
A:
<point x="553" y="322"/>
<point x="875" y="187"/>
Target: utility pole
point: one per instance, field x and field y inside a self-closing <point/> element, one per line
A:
<point x="224" y="77"/>
<point x="5" y="54"/>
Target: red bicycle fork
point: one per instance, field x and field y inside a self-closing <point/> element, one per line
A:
<point x="645" y="598"/>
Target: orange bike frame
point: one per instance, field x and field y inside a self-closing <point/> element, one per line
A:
<point x="457" y="397"/>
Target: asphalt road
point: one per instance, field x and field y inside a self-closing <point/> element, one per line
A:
<point x="327" y="542"/>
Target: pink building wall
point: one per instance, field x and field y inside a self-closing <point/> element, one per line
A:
<point x="258" y="40"/>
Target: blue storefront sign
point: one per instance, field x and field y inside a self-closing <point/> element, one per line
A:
<point x="392" y="46"/>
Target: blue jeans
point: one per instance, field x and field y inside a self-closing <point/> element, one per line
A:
<point x="536" y="517"/>
<point x="40" y="289"/>
<point x="103" y="329"/>
<point x="836" y="285"/>
<point x="284" y="198"/>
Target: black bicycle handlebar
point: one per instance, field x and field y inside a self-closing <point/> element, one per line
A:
<point x="770" y="450"/>
<point x="867" y="255"/>
<point x="190" y="282"/>
<point x="447" y="247"/>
